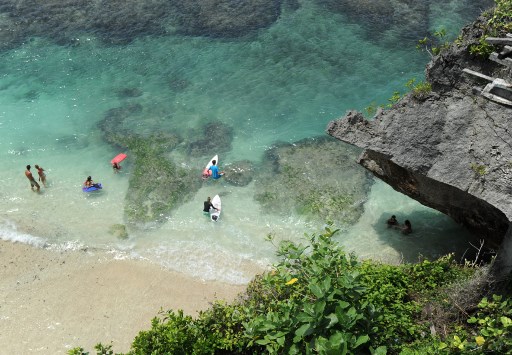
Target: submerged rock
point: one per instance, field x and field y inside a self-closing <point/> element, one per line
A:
<point x="409" y="19"/>
<point x="225" y="18"/>
<point x="125" y="93"/>
<point x="239" y="173"/>
<point x="119" y="231"/>
<point x="214" y="136"/>
<point x="121" y="21"/>
<point x="316" y="178"/>
<point x="157" y="185"/>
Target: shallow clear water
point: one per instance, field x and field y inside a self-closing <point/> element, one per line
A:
<point x="283" y="84"/>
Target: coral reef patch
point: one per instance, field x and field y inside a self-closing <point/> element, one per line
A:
<point x="316" y="178"/>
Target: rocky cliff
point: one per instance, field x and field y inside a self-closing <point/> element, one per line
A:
<point x="451" y="149"/>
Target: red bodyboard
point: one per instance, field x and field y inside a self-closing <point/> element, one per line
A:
<point x="119" y="158"/>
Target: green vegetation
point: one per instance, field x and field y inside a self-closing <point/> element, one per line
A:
<point x="420" y="91"/>
<point x="319" y="299"/>
<point x="499" y="23"/>
<point x="479" y="169"/>
<point x="435" y="45"/>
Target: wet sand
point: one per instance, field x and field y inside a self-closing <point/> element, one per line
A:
<point x="52" y="301"/>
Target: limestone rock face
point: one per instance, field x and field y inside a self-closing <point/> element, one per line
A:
<point x="451" y="151"/>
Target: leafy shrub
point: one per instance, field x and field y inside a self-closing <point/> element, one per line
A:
<point x="479" y="169"/>
<point x="421" y="90"/>
<point x="492" y="332"/>
<point x="498" y="24"/>
<point x="319" y="299"/>
<point x="434" y="45"/>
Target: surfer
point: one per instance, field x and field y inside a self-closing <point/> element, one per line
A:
<point x="89" y="183"/>
<point x="215" y="170"/>
<point x="33" y="182"/>
<point x="207" y="205"/>
<point x="42" y="175"/>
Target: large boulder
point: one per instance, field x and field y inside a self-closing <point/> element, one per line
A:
<point x="451" y="151"/>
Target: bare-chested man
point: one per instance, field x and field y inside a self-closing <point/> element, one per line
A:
<point x="33" y="182"/>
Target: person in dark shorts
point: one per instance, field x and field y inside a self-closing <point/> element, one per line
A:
<point x="33" y="182"/>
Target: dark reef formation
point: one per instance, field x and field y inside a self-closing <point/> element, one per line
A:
<point x="316" y="178"/>
<point x="451" y="150"/>
<point x="157" y="185"/>
<point x="225" y="18"/>
<point x="120" y="22"/>
<point x="213" y="136"/>
<point x="406" y="19"/>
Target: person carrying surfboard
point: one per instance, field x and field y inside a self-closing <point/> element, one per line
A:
<point x="116" y="162"/>
<point x="116" y="167"/>
<point x="215" y="170"/>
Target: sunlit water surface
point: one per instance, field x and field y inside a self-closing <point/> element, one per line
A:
<point x="283" y="84"/>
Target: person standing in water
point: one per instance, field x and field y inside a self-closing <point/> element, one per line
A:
<point x="392" y="222"/>
<point x="407" y="228"/>
<point x="116" y="167"/>
<point x="42" y="175"/>
<point x="33" y="182"/>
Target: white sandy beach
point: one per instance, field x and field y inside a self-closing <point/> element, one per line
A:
<point x="53" y="301"/>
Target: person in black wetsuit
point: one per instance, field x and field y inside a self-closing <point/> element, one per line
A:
<point x="207" y="205"/>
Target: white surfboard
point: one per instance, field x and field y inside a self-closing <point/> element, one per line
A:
<point x="207" y="173"/>
<point x="215" y="214"/>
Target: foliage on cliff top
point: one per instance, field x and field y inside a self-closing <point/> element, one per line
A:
<point x="498" y="24"/>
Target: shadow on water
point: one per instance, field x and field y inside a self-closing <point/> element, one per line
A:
<point x="433" y="235"/>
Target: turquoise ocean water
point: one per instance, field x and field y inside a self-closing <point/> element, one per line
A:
<point x="283" y="83"/>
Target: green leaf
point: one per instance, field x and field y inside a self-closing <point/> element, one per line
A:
<point x="332" y="320"/>
<point x="361" y="340"/>
<point x="506" y="321"/>
<point x="316" y="290"/>
<point x="381" y="350"/>
<point x="336" y="339"/>
<point x="264" y="341"/>
<point x="304" y="317"/>
<point x="319" y="308"/>
<point x="343" y="305"/>
<point x="303" y="331"/>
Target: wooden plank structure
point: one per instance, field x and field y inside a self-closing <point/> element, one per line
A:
<point x="497" y="90"/>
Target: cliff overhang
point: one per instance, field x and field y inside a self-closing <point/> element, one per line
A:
<point x="450" y="150"/>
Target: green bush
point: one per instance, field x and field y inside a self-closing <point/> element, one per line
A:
<point x="319" y="299"/>
<point x="499" y="22"/>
